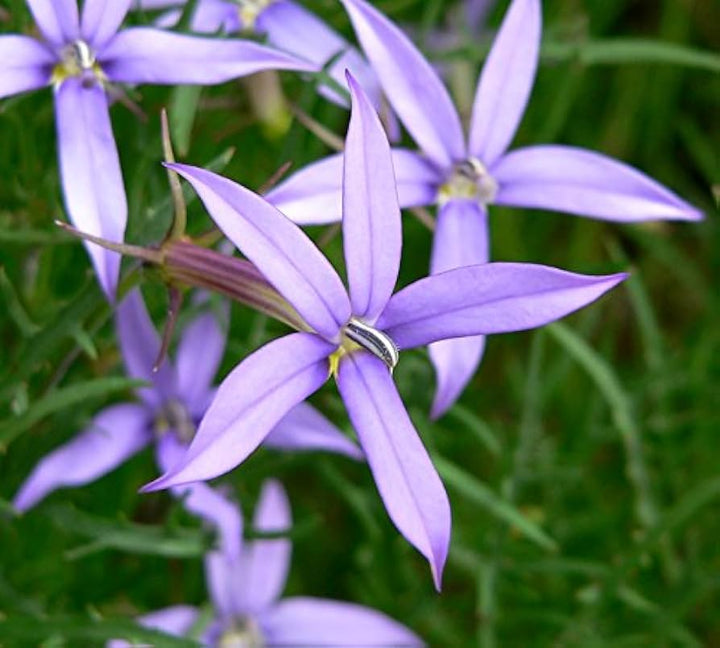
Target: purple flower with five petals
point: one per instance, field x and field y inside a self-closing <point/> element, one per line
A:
<point x="81" y="56"/>
<point x="245" y="595"/>
<point x="464" y="176"/>
<point x="167" y="415"/>
<point x="355" y="335"/>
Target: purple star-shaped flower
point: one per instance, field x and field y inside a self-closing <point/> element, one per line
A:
<point x="81" y="56"/>
<point x="464" y="176"/>
<point x="356" y="336"/>
<point x="245" y="595"/>
<point x="167" y="415"/>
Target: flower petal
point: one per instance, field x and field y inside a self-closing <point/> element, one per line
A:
<point x="485" y="299"/>
<point x="292" y="28"/>
<point x="114" y="435"/>
<point x="281" y="251"/>
<point x="140" y="345"/>
<point x="25" y="64"/>
<point x="197" y="360"/>
<point x="208" y="503"/>
<point x="372" y="234"/>
<point x="57" y="19"/>
<point x="101" y="19"/>
<point x="461" y="239"/>
<point x="313" y="195"/>
<point x="249" y="403"/>
<point x="411" y="85"/>
<point x="90" y="171"/>
<point x="304" y="428"/>
<point x="147" y="55"/>
<point x="267" y="561"/>
<point x="176" y="620"/>
<point x="408" y="483"/>
<point x="577" y="181"/>
<point x="305" y="621"/>
<point x="506" y="81"/>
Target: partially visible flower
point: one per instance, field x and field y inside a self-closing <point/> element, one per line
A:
<point x="355" y="335"/>
<point x="167" y="415"/>
<point x="464" y="176"/>
<point x="82" y="57"/>
<point x="248" y="611"/>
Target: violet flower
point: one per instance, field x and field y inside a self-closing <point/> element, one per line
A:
<point x="356" y="336"/>
<point x="245" y="595"/>
<point x="167" y="415"/>
<point x="81" y="57"/>
<point x="464" y="176"/>
<point x="286" y="25"/>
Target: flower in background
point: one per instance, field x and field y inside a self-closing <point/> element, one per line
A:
<point x="245" y="595"/>
<point x="167" y="415"/>
<point x="462" y="177"/>
<point x="81" y="57"/>
<point x="355" y="335"/>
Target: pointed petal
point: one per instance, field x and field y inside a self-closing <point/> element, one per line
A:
<point x="208" y="503"/>
<point x="267" y="561"/>
<point x="292" y="28"/>
<point x="25" y="64"/>
<point x="461" y="239"/>
<point x="304" y="428"/>
<point x="372" y="235"/>
<point x="114" y="435"/>
<point x="197" y="360"/>
<point x="90" y="171"/>
<point x="140" y="344"/>
<point x="305" y="621"/>
<point x="249" y="403"/>
<point x="408" y="483"/>
<point x="411" y="85"/>
<point x="485" y="299"/>
<point x="506" y="81"/>
<point x="101" y="19"/>
<point x="224" y="578"/>
<point x="313" y="195"/>
<point x="57" y="19"/>
<point x="147" y="55"/>
<point x="281" y="251"/>
<point x="573" y="180"/>
<point x="176" y="620"/>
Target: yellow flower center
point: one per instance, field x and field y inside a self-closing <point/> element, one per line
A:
<point x="243" y="634"/>
<point x="470" y="180"/>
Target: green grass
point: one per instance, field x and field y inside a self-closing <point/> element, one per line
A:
<point x="583" y="462"/>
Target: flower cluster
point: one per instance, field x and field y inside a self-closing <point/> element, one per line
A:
<point x="352" y="334"/>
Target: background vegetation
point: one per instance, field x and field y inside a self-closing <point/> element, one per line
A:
<point x="583" y="462"/>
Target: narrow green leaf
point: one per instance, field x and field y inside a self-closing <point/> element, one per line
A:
<point x="477" y="426"/>
<point x="184" y="102"/>
<point x="60" y="399"/>
<point x="15" y="308"/>
<point x="477" y="492"/>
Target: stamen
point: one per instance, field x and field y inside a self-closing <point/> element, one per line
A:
<point x="469" y="179"/>
<point x="378" y="343"/>
<point x="242" y="633"/>
<point x="81" y="54"/>
<point x="249" y="11"/>
<point x="174" y="417"/>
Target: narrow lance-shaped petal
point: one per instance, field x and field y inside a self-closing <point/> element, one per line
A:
<point x="372" y="233"/>
<point x="506" y="81"/>
<point x="147" y="55"/>
<point x="313" y="195"/>
<point x="25" y="64"/>
<point x="491" y="298"/>
<point x="408" y="483"/>
<point x="90" y="172"/>
<point x="281" y="251"/>
<point x="249" y="403"/>
<point x="267" y="561"/>
<point x="101" y="19"/>
<point x="304" y="428"/>
<point x="411" y="85"/>
<point x="305" y="621"/>
<point x="57" y="19"/>
<point x="568" y="179"/>
<point x="114" y="435"/>
<point x="461" y="239"/>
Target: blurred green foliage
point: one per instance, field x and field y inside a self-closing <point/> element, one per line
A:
<point x="583" y="463"/>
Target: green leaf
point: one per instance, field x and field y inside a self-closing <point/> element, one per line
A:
<point x="60" y="399"/>
<point x="477" y="426"/>
<point x="184" y="103"/>
<point x="477" y="492"/>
